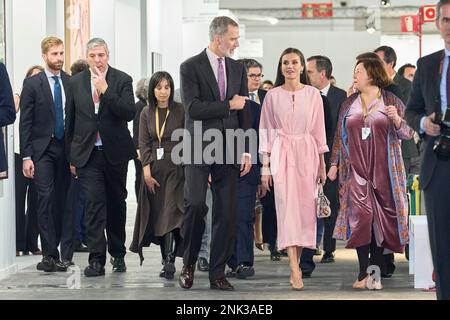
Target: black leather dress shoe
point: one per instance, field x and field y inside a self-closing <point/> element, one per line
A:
<point x="231" y="273"/>
<point x="275" y="256"/>
<point x="60" y="266"/>
<point x="202" y="265"/>
<point x="221" y="284"/>
<point x="327" y="258"/>
<point x="67" y="263"/>
<point x="118" y="264"/>
<point x="95" y="269"/>
<point x="243" y="272"/>
<point x="186" y="279"/>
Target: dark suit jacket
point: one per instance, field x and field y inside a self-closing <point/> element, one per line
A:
<point x="37" y="114"/>
<point x="201" y="100"/>
<point x="335" y="98"/>
<point x="254" y="176"/>
<point x="409" y="148"/>
<point x="7" y="111"/>
<point x="116" y="109"/>
<point x="424" y="100"/>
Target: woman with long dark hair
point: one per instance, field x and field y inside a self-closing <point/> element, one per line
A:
<point x="293" y="141"/>
<point x="160" y="206"/>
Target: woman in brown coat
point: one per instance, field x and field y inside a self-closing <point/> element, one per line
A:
<point x="160" y="206"/>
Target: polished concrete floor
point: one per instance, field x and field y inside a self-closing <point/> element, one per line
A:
<point x="329" y="281"/>
<point x="271" y="281"/>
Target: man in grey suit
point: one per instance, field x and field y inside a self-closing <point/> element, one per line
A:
<point x="7" y="111"/>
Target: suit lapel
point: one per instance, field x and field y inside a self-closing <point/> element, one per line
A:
<point x="205" y="67"/>
<point x="231" y="76"/>
<point x="47" y="91"/>
<point x="109" y="79"/>
<point x="435" y="82"/>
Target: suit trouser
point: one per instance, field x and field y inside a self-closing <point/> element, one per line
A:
<point x="206" y="238"/>
<point x="70" y="238"/>
<point x="243" y="252"/>
<point x="105" y="188"/>
<point x="437" y="195"/>
<point x="331" y="191"/>
<point x="307" y="264"/>
<point x="51" y="180"/>
<point x="27" y="231"/>
<point x="269" y="221"/>
<point x="224" y="186"/>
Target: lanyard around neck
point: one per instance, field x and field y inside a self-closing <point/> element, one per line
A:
<point x="364" y="107"/>
<point x="160" y="133"/>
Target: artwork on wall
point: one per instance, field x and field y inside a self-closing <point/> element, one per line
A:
<point x="77" y="32"/>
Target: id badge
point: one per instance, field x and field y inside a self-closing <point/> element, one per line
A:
<point x="365" y="133"/>
<point x="159" y="153"/>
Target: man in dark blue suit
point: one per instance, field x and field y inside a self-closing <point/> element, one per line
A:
<point x="429" y="99"/>
<point x="7" y="112"/>
<point x="42" y="149"/>
<point x="241" y="262"/>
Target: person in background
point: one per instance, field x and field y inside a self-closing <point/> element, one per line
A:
<point x="267" y="85"/>
<point x="7" y="113"/>
<point x="319" y="70"/>
<point x="407" y="71"/>
<point x="241" y="262"/>
<point x="75" y="232"/>
<point x="142" y="95"/>
<point x="160" y="206"/>
<point x="27" y="231"/>
<point x="372" y="182"/>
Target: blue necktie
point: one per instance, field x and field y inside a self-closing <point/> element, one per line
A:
<point x="59" y="119"/>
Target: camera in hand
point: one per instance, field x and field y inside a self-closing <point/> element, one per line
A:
<point x="442" y="143"/>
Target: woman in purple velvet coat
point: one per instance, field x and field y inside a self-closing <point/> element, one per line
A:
<point x="372" y="183"/>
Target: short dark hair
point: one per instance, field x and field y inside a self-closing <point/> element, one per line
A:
<point x="439" y="6"/>
<point x="280" y="80"/>
<point x="250" y="63"/>
<point x="31" y="69"/>
<point x="401" y="70"/>
<point x="389" y="54"/>
<point x="323" y="63"/>
<point x="154" y="81"/>
<point x="375" y="70"/>
<point x="268" y="82"/>
<point x="79" y="66"/>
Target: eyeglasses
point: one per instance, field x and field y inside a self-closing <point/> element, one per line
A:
<point x="255" y="76"/>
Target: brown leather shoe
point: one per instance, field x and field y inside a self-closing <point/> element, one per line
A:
<point x="221" y="284"/>
<point x="37" y="252"/>
<point x="186" y="279"/>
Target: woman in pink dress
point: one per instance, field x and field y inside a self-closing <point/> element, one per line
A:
<point x="372" y="184"/>
<point x="292" y="142"/>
